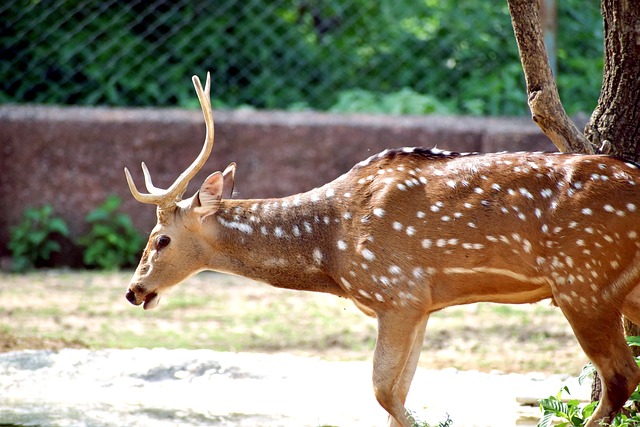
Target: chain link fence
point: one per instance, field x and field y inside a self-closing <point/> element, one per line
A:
<point x="393" y="56"/>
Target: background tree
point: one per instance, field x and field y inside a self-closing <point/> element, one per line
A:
<point x="614" y="126"/>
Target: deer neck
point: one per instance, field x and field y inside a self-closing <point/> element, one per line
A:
<point x="282" y="242"/>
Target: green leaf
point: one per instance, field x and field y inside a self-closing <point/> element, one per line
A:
<point x="546" y="419"/>
<point x="587" y="373"/>
<point x="58" y="225"/>
<point x="633" y="341"/>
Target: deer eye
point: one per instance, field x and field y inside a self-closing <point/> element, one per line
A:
<point x="162" y="242"/>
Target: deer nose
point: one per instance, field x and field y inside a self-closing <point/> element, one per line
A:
<point x="131" y="297"/>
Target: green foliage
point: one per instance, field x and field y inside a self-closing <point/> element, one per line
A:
<point x="112" y="241"/>
<point x="32" y="241"/>
<point x="571" y="411"/>
<point x="446" y="423"/>
<point x="574" y="414"/>
<point x="457" y="57"/>
<point x="405" y="101"/>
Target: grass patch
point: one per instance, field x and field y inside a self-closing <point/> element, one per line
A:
<point x="227" y="313"/>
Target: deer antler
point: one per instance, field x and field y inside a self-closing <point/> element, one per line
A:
<point x="169" y="197"/>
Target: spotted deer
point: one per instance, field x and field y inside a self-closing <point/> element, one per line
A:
<point x="411" y="231"/>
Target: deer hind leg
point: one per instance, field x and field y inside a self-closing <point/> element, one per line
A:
<point x="394" y="362"/>
<point x="600" y="334"/>
<point x="631" y="305"/>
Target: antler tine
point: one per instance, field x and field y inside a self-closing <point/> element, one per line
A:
<point x="141" y="197"/>
<point x="180" y="185"/>
<point x="168" y="197"/>
<point x="152" y="189"/>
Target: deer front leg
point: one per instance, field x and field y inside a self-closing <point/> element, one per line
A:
<point x="394" y="362"/>
<point x="412" y="362"/>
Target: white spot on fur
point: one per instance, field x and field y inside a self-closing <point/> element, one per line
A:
<point x="279" y="232"/>
<point x="307" y="227"/>
<point x="395" y="270"/>
<point x="317" y="256"/>
<point x="368" y="255"/>
<point x="235" y="225"/>
<point x="526" y="193"/>
<point x="379" y="212"/>
<point x="342" y="245"/>
<point x="364" y="293"/>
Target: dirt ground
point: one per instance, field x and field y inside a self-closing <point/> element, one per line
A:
<point x="61" y="309"/>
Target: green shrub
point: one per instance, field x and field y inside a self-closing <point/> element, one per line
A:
<point x="33" y="240"/>
<point x="286" y="54"/>
<point x="112" y="242"/>
<point x="446" y="423"/>
<point x="405" y="101"/>
<point x="574" y="414"/>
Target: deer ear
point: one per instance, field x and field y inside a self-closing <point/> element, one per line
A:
<point x="228" y="179"/>
<point x="207" y="200"/>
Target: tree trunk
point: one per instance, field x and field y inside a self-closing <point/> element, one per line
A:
<point x="617" y="117"/>
<point x="615" y="123"/>
<point x="614" y="127"/>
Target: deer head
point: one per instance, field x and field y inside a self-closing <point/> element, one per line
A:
<point x="163" y="263"/>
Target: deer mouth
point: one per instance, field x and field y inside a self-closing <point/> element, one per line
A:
<point x="150" y="301"/>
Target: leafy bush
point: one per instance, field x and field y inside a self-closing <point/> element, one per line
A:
<point x="287" y="54"/>
<point x="112" y="242"/>
<point x="446" y="423"/>
<point x="405" y="101"/>
<point x="575" y="414"/>
<point x="32" y="242"/>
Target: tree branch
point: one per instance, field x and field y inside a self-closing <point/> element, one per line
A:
<point x="543" y="98"/>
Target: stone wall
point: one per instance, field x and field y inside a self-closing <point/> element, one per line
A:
<point x="73" y="158"/>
